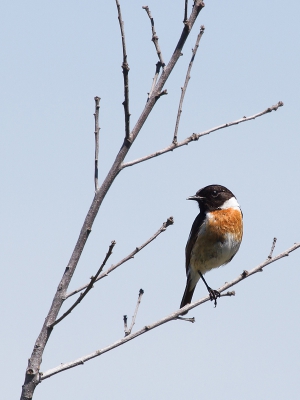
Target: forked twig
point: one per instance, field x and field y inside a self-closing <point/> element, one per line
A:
<point x="97" y="129"/>
<point x="154" y="39"/>
<point x="128" y="331"/>
<point x="196" y="136"/>
<point x="164" y="226"/>
<point x="125" y="69"/>
<point x="88" y="287"/>
<point x="187" y="78"/>
<point x="171" y="317"/>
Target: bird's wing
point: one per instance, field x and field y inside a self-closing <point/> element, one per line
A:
<point x="192" y="238"/>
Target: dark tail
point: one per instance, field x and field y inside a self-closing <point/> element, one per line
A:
<point x="187" y="295"/>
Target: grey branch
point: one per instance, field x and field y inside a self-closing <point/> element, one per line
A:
<point x="171" y="317"/>
<point x="187" y="78"/>
<point x="196" y="136"/>
<point x="170" y="221"/>
<point x="125" y="69"/>
<point x="272" y="248"/>
<point x="97" y="129"/>
<point x="154" y="39"/>
<point x="88" y="287"/>
<point x="128" y="331"/>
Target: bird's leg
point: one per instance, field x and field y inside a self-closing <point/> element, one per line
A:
<point x="213" y="294"/>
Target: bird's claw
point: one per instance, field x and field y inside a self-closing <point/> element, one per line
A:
<point x="213" y="294"/>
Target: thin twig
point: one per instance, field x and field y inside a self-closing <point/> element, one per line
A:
<point x="158" y="67"/>
<point x="97" y="129"/>
<point x="161" y="62"/>
<point x="196" y="136"/>
<point x="187" y="78"/>
<point x="88" y="287"/>
<point x="164" y="226"/>
<point x="185" y="11"/>
<point x="171" y="317"/>
<point x="128" y="331"/>
<point x="125" y="323"/>
<point x="192" y="320"/>
<point x="125" y="69"/>
<point x="272" y="248"/>
<point x="155" y="37"/>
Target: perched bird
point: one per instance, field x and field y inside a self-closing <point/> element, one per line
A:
<point x="214" y="239"/>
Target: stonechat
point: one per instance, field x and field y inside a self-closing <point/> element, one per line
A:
<point x="214" y="239"/>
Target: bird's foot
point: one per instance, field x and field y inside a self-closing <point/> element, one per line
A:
<point x="213" y="294"/>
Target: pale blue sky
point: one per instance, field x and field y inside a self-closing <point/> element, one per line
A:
<point x="55" y="57"/>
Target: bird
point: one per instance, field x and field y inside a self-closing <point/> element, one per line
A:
<point x="215" y="237"/>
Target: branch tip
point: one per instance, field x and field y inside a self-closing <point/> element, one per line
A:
<point x="170" y="221"/>
<point x="127" y="258"/>
<point x="161" y="62"/>
<point x="187" y="78"/>
<point x="192" y="320"/>
<point x="125" y="70"/>
<point x="196" y="136"/>
<point x="96" y="132"/>
<point x="272" y="248"/>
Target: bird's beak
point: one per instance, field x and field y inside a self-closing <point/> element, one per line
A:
<point x="195" y="198"/>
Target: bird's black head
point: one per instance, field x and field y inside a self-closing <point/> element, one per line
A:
<point x="212" y="197"/>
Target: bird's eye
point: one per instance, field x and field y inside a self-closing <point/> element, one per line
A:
<point x="214" y="193"/>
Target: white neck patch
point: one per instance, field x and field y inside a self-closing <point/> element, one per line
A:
<point x="231" y="203"/>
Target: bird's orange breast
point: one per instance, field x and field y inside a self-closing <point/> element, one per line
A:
<point x="218" y="240"/>
<point x="222" y="222"/>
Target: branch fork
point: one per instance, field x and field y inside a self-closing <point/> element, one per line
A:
<point x="126" y="330"/>
<point x="171" y="317"/>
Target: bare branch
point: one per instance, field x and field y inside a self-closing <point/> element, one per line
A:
<point x="97" y="129"/>
<point x="128" y="331"/>
<point x="89" y="286"/>
<point x="171" y="317"/>
<point x="125" y="69"/>
<point x="196" y="136"/>
<point x="187" y="78"/>
<point x="272" y="248"/>
<point x="164" y="226"/>
<point x="155" y="37"/>
<point x="161" y="62"/>
<point x="33" y="367"/>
